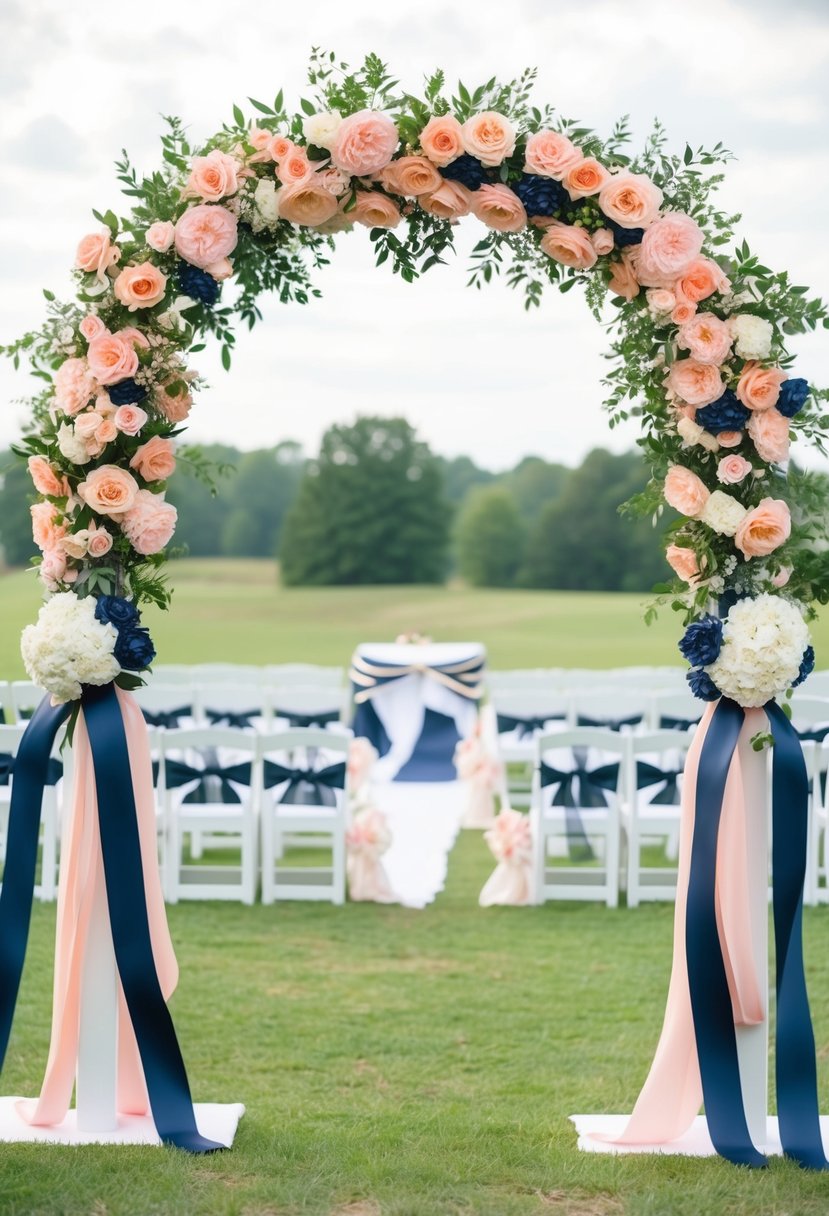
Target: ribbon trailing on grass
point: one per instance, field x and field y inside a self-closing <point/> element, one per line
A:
<point x="163" y="1066"/>
<point x="796" y="1070"/>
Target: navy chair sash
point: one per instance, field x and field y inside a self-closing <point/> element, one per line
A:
<point x="241" y="718"/>
<point x="168" y="718"/>
<point x="649" y="774"/>
<point x="323" y="717"/>
<point x="305" y="786"/>
<point x="526" y="725"/>
<point x="177" y="773"/>
<point x="610" y="723"/>
<point x="668" y="722"/>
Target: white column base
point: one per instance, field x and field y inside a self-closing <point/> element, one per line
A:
<point x="97" y="1074"/>
<point x="216" y="1121"/>
<point x="695" y="1143"/>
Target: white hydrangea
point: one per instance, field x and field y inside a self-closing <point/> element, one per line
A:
<point x="763" y="643"/>
<point x="267" y="202"/>
<point x="68" y="647"/>
<point x="321" y="129"/>
<point x="722" y="513"/>
<point x="693" y="435"/>
<point x="752" y="335"/>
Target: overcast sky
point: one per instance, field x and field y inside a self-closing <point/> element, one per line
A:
<point x="471" y="370"/>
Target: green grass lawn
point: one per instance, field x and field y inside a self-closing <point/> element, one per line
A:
<point x="406" y="1064"/>
<point x="236" y="611"/>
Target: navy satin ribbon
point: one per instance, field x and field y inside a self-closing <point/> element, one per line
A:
<point x="54" y="769"/>
<point x="306" y="787"/>
<point x="591" y="793"/>
<point x="177" y="773"/>
<point x="526" y="726"/>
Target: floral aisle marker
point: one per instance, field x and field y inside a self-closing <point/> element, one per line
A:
<point x="698" y="351"/>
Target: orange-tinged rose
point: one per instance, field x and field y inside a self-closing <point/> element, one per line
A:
<point x="759" y="387"/>
<point x="442" y="139"/>
<point x="109" y="490"/>
<point x="764" y="529"/>
<point x="684" y="491"/>
<point x="140" y="286"/>
<point x="154" y="460"/>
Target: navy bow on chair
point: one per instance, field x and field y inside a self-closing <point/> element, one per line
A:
<point x="610" y="723"/>
<point x="168" y="718"/>
<point x="54" y="769"/>
<point x="177" y="773"/>
<point x="526" y="725"/>
<point x="241" y="718"/>
<point x="649" y="774"/>
<point x="592" y="786"/>
<point x="322" y="718"/>
<point x="667" y="722"/>
<point x="306" y="786"/>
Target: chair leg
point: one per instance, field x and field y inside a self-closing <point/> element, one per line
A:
<point x="268" y="855"/>
<point x="612" y="863"/>
<point x="338" y="864"/>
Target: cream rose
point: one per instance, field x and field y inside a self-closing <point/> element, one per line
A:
<point x="489" y="137"/>
<point x="109" y="490"/>
<point x="321" y="129"/>
<point x="722" y="513"/>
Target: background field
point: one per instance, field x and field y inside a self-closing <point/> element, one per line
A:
<point x="236" y="611"/>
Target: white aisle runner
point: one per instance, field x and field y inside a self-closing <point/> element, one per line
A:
<point x="424" y="819"/>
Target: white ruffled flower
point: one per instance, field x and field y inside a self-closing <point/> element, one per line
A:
<point x="72" y="447"/>
<point x="752" y="336"/>
<point x="763" y="643"/>
<point x="722" y="513"/>
<point x="267" y="202"/>
<point x="321" y="129"/>
<point x="694" y="435"/>
<point x="68" y="647"/>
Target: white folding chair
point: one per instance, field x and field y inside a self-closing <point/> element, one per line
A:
<point x="7" y="714"/>
<point x="809" y="713"/>
<point x="298" y="823"/>
<point x="674" y="710"/>
<point x="573" y="755"/>
<point x="26" y="697"/>
<point x="610" y="707"/>
<point x="529" y="678"/>
<point x="167" y="705"/>
<point x="282" y="675"/>
<point x="221" y="703"/>
<point x="46" y="888"/>
<point x="219" y="824"/>
<point x="171" y="673"/>
<point x="227" y="673"/>
<point x="645" y="818"/>
<point x="313" y="704"/>
<point x="521" y="714"/>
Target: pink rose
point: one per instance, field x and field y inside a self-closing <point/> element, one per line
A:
<point x="411" y="176"/>
<point x="733" y="469"/>
<point x="489" y="137"/>
<point x="174" y="406"/>
<point x="623" y="280"/>
<point x="683" y="311"/>
<point x="160" y="235"/>
<point x="130" y="419"/>
<point x="769" y="432"/>
<point x="683" y="562"/>
<point x="584" y="178"/>
<point x="764" y="529"/>
<point x="306" y="203"/>
<point x="74" y="385"/>
<point x="86" y="425"/>
<point x="550" y="154"/>
<point x="107" y="431"/>
<point x="569" y="245"/>
<point x="154" y="460"/>
<point x="130" y="334"/>
<point x="96" y="253"/>
<point x="99" y="541"/>
<point x="150" y="523"/>
<point x="695" y="383"/>
<point x="52" y="569"/>
<point x="46" y="531"/>
<point x="46" y="480"/>
<point x="630" y="200"/>
<point x="706" y="337"/>
<point x="140" y="286"/>
<point x="375" y="210"/>
<point x="206" y="233"/>
<point x="782" y="576"/>
<point x="660" y="300"/>
<point x="220" y="270"/>
<point x="294" y="167"/>
<point x="213" y="177"/>
<point x="91" y="326"/>
<point x="365" y="143"/>
<point x="684" y="491"/>
<point x="109" y="490"/>
<point x="499" y="208"/>
<point x="730" y="439"/>
<point x="669" y="247"/>
<point x="759" y="387"/>
<point x="442" y="139"/>
<point x="111" y="358"/>
<point x="450" y="202"/>
<point x="280" y="146"/>
<point x="701" y="279"/>
<point x="602" y="240"/>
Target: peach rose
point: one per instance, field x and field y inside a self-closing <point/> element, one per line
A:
<point x="374" y="209"/>
<point x="733" y="469"/>
<point x="213" y="177"/>
<point x="759" y="387"/>
<point x="74" y="385"/>
<point x="489" y="137"/>
<point x="107" y="431"/>
<point x="706" y="337"/>
<point x="550" y="154"/>
<point x="623" y="280"/>
<point x="631" y="200"/>
<point x="684" y="491"/>
<point x="411" y="176"/>
<point x="154" y="460"/>
<point x="220" y="270"/>
<point x="442" y="139"/>
<point x="683" y="562"/>
<point x="661" y="301"/>
<point x="86" y="425"/>
<point x="333" y="180"/>
<point x="584" y="178"/>
<point x="46" y="531"/>
<point x="112" y="358"/>
<point x="130" y="419"/>
<point x="150" y="523"/>
<point x="91" y="326"/>
<point x="764" y="529"/>
<point x="306" y="203"/>
<point x="695" y="383"/>
<point x="130" y="334"/>
<point x="365" y="143"/>
<point x="701" y="279"/>
<point x="109" y="490"/>
<point x="140" y="286"/>
<point x="279" y="146"/>
<point x="53" y="570"/>
<point x="174" y="407"/>
<point x="96" y="253"/>
<point x="670" y="246"/>
<point x="160" y="235"/>
<point x="782" y="576"/>
<point x="46" y="480"/>
<point x="569" y="245"/>
<point x="730" y="439"/>
<point x="75" y="544"/>
<point x="100" y="541"/>
<point x="769" y="432"/>
<point x="206" y="233"/>
<point x="499" y="208"/>
<point x="602" y="240"/>
<point x="450" y="202"/>
<point x="294" y="167"/>
<point x="682" y="311"/>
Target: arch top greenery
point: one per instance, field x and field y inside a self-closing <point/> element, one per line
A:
<point x="697" y="343"/>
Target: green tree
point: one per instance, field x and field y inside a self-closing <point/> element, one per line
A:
<point x="16" y="495"/>
<point x="370" y="509"/>
<point x="460" y="475"/>
<point x="533" y="484"/>
<point x="265" y="486"/>
<point x="202" y="510"/>
<point x="490" y="538"/>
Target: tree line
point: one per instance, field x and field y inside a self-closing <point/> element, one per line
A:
<point x="376" y="505"/>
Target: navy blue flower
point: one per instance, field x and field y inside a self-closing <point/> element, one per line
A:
<point x="117" y="611"/>
<point x="724" y="414"/>
<point x="624" y="236"/>
<point x="807" y="666"/>
<point x="541" y="195"/>
<point x="702" y="641"/>
<point x="127" y="392"/>
<point x="466" y="170"/>
<point x="793" y="394"/>
<point x="702" y="685"/>
<point x="198" y="284"/>
<point x="134" y="648"/>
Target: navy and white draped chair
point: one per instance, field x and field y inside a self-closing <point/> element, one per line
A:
<point x="26" y="697"/>
<point x="304" y="802"/>
<point x="210" y="781"/>
<point x="651" y="810"/>
<point x="414" y="703"/>
<point x="521" y="715"/>
<point x="56" y="789"/>
<point x="307" y="705"/>
<point x="676" y="710"/>
<point x="242" y="704"/>
<point x="578" y="789"/>
<point x="167" y="706"/>
<point x="613" y="707"/>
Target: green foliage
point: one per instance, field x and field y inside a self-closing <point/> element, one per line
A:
<point x="490" y="538"/>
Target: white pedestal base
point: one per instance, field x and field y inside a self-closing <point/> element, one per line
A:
<point x="215" y="1120"/>
<point x="695" y="1143"/>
